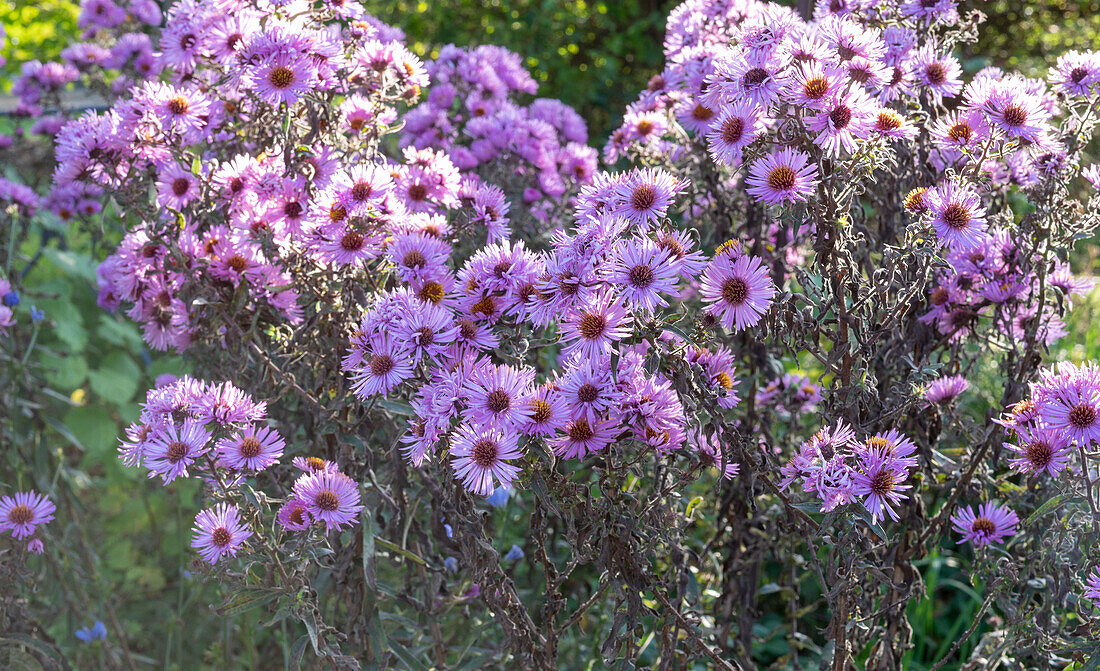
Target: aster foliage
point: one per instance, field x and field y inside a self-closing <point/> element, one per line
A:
<point x="799" y="321"/>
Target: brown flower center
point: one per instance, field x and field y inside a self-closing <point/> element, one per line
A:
<point x="327" y="500"/>
<point x="588" y="393"/>
<point x="180" y="186"/>
<point x="640" y="276"/>
<point x="754" y="76"/>
<point x="592" y="326"/>
<point x="956" y="215"/>
<point x="352" y="241"/>
<point x="543" y="411"/>
<point x="20" y="514"/>
<point x="361" y="191"/>
<point x="1014" y="115"/>
<point x="983" y="525"/>
<point x="484" y="452"/>
<point x="815" y="88"/>
<point x="498" y="401"/>
<point x="840" y="116"/>
<point x="643" y="198"/>
<point x="735" y="291"/>
<point x="221" y="537"/>
<point x="782" y="178"/>
<point x="580" y="431"/>
<point x="414" y="258"/>
<point x="732" y="130"/>
<point x="936" y="73"/>
<point x="1082" y="416"/>
<point x="1039" y="454"/>
<point x="281" y="77"/>
<point x="961" y="133"/>
<point x="250" y="448"/>
<point x="380" y="364"/>
<point x="178" y="105"/>
<point x="176" y="452"/>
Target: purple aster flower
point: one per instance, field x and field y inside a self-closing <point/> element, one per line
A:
<point x="945" y="389"/>
<point x="1092" y="587"/>
<point x="593" y="329"/>
<point x="1076" y="73"/>
<point x="940" y="74"/>
<point x="227" y="404"/>
<point x="176" y="187"/>
<point x="22" y="512"/>
<point x="35" y="546"/>
<point x="737" y="126"/>
<point x="757" y="78"/>
<point x="548" y="412"/>
<point x="314" y="465"/>
<point x="588" y="390"/>
<point x="894" y="445"/>
<point x="583" y="438"/>
<point x="739" y="291"/>
<point x="295" y="515"/>
<point x="1016" y="111"/>
<point x="1039" y="449"/>
<point x="479" y="458"/>
<point x="992" y="524"/>
<point x="330" y="497"/>
<point x="814" y="84"/>
<point x="283" y="78"/>
<point x="383" y="365"/>
<point x="784" y="175"/>
<point x="960" y="130"/>
<point x="498" y="396"/>
<point x="173" y="448"/>
<point x="957" y="214"/>
<point x="1071" y="403"/>
<point x="880" y="479"/>
<point x="643" y="195"/>
<point x="219" y="532"/>
<point x="255" y="449"/>
<point x="889" y="123"/>
<point x="641" y="273"/>
<point x="844" y="118"/>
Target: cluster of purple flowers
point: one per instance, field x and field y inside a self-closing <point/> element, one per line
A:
<point x="838" y="469"/>
<point x="473" y="113"/>
<point x="189" y="427"/>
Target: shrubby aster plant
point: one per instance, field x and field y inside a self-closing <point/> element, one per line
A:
<point x="820" y="293"/>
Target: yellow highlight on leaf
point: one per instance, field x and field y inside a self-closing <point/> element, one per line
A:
<point x="79" y="397"/>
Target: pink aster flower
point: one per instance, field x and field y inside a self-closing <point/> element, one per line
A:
<point x="945" y="389"/>
<point x="583" y="438"/>
<point x="940" y="74"/>
<point x="1039" y="449"/>
<point x="1092" y="587"/>
<point x="737" y="125"/>
<point x="329" y="497"/>
<point x="991" y="524"/>
<point x="593" y="329"/>
<point x="283" y="78"/>
<point x="880" y="479"/>
<point x="219" y="532"/>
<point x="644" y="195"/>
<point x="255" y="449"/>
<point x="738" y="290"/>
<point x="1076" y="73"/>
<point x="176" y="187"/>
<point x="479" y="458"/>
<point x="1071" y="403"/>
<point x="843" y="119"/>
<point x="1016" y="111"/>
<point x="814" y="83"/>
<point x="295" y="515"/>
<point x="957" y="214"/>
<point x="782" y="176"/>
<point x="498" y="396"/>
<point x="23" y="512"/>
<point x="174" y="448"/>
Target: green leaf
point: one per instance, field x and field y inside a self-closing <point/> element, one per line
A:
<point x="246" y="599"/>
<point x="72" y="263"/>
<point x="94" y="429"/>
<point x="118" y="332"/>
<point x="399" y="407"/>
<point x="1049" y="505"/>
<point x="64" y="372"/>
<point x="116" y="380"/>
<point x="406" y="657"/>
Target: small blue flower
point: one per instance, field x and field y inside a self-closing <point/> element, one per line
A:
<point x="451" y="564"/>
<point x="449" y="530"/>
<point x="36" y="314"/>
<point x="11" y="299"/>
<point x="515" y="554"/>
<point x="96" y="632"/>
<point x="499" y="497"/>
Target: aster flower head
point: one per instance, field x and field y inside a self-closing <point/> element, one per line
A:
<point x="581" y="438"/>
<point x="379" y="366"/>
<point x="593" y="329"/>
<point x="1092" y="587"/>
<point x="255" y="449"/>
<point x="295" y="515"/>
<point x="219" y="532"/>
<point x="1069" y="401"/>
<point x="174" y="448"/>
<point x="845" y="117"/>
<point x="782" y="176"/>
<point x="957" y="214"/>
<point x="644" y="195"/>
<point x="21" y="513"/>
<point x="283" y="78"/>
<point x="738" y="290"/>
<point x="1076" y="73"/>
<point x="880" y="478"/>
<point x="960" y="130"/>
<point x="939" y="74"/>
<point x="1040" y="449"/>
<point x="641" y="273"/>
<point x="498" y="396"/>
<point x="332" y="498"/>
<point x="737" y="125"/>
<point x="480" y="458"/>
<point x="945" y="389"/>
<point x="1016" y="111"/>
<point x="814" y="83"/>
<point x="992" y="523"/>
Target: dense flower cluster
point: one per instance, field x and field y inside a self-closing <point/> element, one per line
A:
<point x="190" y="428"/>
